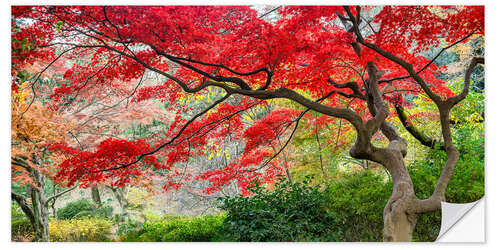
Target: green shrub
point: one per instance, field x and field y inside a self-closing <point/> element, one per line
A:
<point x="20" y="225"/>
<point x="16" y="212"/>
<point x="288" y="213"/>
<point x="74" y="208"/>
<point x="127" y="224"/>
<point x="200" y="229"/>
<point x="21" y="228"/>
<point x="77" y="230"/>
<point x="104" y="211"/>
<point x="357" y="201"/>
<point x="84" y="214"/>
<point x="466" y="184"/>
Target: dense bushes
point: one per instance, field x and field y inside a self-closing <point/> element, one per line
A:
<point x="83" y="208"/>
<point x="466" y="184"/>
<point x="202" y="229"/>
<point x="21" y="228"/>
<point x="348" y="209"/>
<point x="357" y="201"/>
<point x="288" y="213"/>
<point x="72" y="209"/>
<point x="85" y="229"/>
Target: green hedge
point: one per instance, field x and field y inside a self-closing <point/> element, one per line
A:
<point x="295" y="212"/>
<point x="20" y="225"/>
<point x="74" y="208"/>
<point x="198" y="229"/>
<point x="466" y="184"/>
<point x="21" y="228"/>
<point x="84" y="208"/>
<point x="357" y="201"/>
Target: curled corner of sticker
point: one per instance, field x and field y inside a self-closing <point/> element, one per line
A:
<point x="462" y="222"/>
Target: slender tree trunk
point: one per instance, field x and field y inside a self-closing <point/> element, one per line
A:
<point x="53" y="207"/>
<point x="96" y="197"/>
<point x="325" y="179"/>
<point x="38" y="210"/>
<point x="53" y="202"/>
<point x="120" y="197"/>
<point x="288" y="176"/>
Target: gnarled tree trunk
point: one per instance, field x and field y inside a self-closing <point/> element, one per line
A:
<point x="399" y="221"/>
<point x="38" y="211"/>
<point x="41" y="214"/>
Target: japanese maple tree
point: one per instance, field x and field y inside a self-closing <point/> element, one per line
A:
<point x="33" y="130"/>
<point x="320" y="57"/>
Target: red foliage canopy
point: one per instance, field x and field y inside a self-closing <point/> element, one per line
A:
<point x="301" y="55"/>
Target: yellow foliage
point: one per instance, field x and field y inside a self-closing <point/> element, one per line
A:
<point x="138" y="198"/>
<point x="36" y="123"/>
<point x="464" y="50"/>
<point x="34" y="127"/>
<point x="75" y="230"/>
